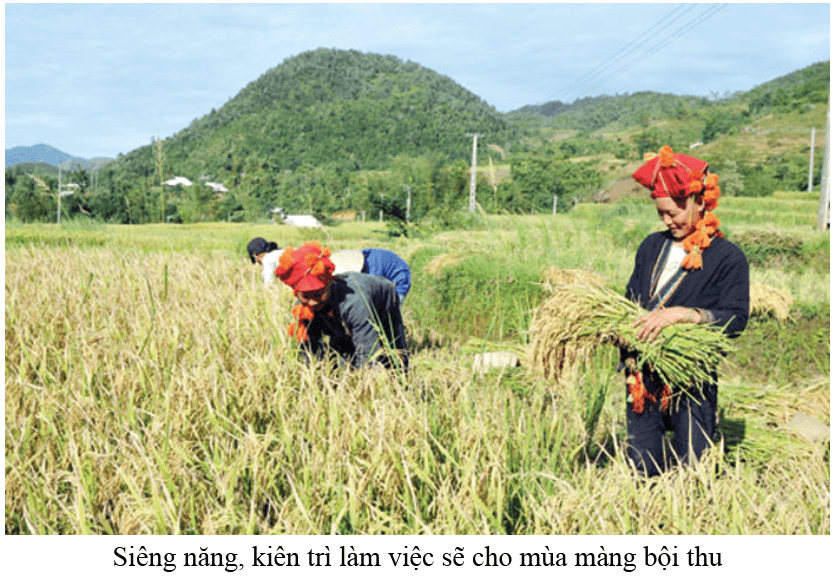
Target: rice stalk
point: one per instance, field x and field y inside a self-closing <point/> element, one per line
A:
<point x="766" y="300"/>
<point x="579" y="317"/>
<point x="440" y="262"/>
<point x="554" y="277"/>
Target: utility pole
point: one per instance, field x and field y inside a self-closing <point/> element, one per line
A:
<point x="811" y="163"/>
<point x="62" y="192"/>
<point x="409" y="195"/>
<point x="159" y="161"/>
<point x="472" y="198"/>
<point x="823" y="217"/>
<point x="58" y="217"/>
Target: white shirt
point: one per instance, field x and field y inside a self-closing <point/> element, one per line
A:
<point x="270" y="262"/>
<point x="671" y="266"/>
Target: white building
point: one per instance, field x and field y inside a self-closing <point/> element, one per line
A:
<point x="301" y="220"/>
<point x="217" y="187"/>
<point x="178" y="180"/>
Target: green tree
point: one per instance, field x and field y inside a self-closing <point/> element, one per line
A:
<point x="647" y="141"/>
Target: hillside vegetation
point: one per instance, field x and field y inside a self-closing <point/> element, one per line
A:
<point x="365" y="134"/>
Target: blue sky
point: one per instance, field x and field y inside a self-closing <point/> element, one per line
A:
<point x="100" y="79"/>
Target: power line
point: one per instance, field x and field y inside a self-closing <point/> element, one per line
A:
<point x="622" y="51"/>
<point x="645" y="46"/>
<point x="668" y="39"/>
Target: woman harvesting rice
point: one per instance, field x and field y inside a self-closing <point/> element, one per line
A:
<point x="356" y="316"/>
<point x="689" y="273"/>
<point x="267" y="254"/>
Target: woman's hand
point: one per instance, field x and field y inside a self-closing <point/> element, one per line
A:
<point x="652" y="323"/>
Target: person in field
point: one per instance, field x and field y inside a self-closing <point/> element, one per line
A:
<point x="360" y="314"/>
<point x="267" y="254"/>
<point x="376" y="261"/>
<point x="688" y="273"/>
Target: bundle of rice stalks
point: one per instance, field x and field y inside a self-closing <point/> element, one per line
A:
<point x="761" y="245"/>
<point x="766" y="300"/>
<point x="578" y="317"/>
<point x="441" y="262"/>
<point x="557" y="277"/>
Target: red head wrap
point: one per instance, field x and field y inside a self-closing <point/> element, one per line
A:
<point x="670" y="174"/>
<point x="305" y="269"/>
<point x="678" y="176"/>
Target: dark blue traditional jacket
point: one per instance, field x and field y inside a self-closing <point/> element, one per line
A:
<point x="720" y="290"/>
<point x="362" y="314"/>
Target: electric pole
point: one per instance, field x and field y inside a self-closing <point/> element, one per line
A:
<point x="58" y="218"/>
<point x="823" y="217"/>
<point x="811" y="163"/>
<point x="472" y="198"/>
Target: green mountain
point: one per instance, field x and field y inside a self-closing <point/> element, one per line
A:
<point x="803" y="87"/>
<point x="621" y="111"/>
<point x="332" y="106"/>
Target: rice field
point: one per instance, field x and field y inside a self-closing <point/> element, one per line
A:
<point x="151" y="389"/>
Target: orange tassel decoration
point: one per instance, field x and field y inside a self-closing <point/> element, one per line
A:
<point x="665" y="397"/>
<point x="712" y="192"/>
<point x="666" y="157"/>
<point x="301" y="312"/>
<point x="639" y="393"/>
<point x="324" y="252"/>
<point x="298" y="330"/>
<point x="699" y="240"/>
<point x="286" y="261"/>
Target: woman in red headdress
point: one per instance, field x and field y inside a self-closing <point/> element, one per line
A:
<point x="688" y="273"/>
<point x="359" y="313"/>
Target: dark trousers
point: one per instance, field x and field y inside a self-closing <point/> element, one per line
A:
<point x="691" y="417"/>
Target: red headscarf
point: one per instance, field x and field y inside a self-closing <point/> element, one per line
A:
<point x="305" y="269"/>
<point x="679" y="176"/>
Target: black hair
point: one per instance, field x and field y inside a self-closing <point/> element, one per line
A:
<point x="258" y="246"/>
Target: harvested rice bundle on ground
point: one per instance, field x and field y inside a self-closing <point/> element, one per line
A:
<point x="558" y="277"/>
<point x="435" y="266"/>
<point x="763" y="245"/>
<point x="765" y="300"/>
<point x="578" y="317"/>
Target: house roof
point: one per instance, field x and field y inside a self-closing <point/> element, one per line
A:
<point x="217" y="187"/>
<point x="302" y="220"/>
<point x="178" y="180"/>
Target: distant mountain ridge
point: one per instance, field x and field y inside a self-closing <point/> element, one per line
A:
<point x="623" y="111"/>
<point x="46" y="154"/>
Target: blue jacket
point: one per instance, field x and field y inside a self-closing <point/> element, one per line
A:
<point x="388" y="264"/>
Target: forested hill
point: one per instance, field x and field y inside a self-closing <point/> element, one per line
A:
<point x="332" y="106"/>
<point x="622" y="111"/>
